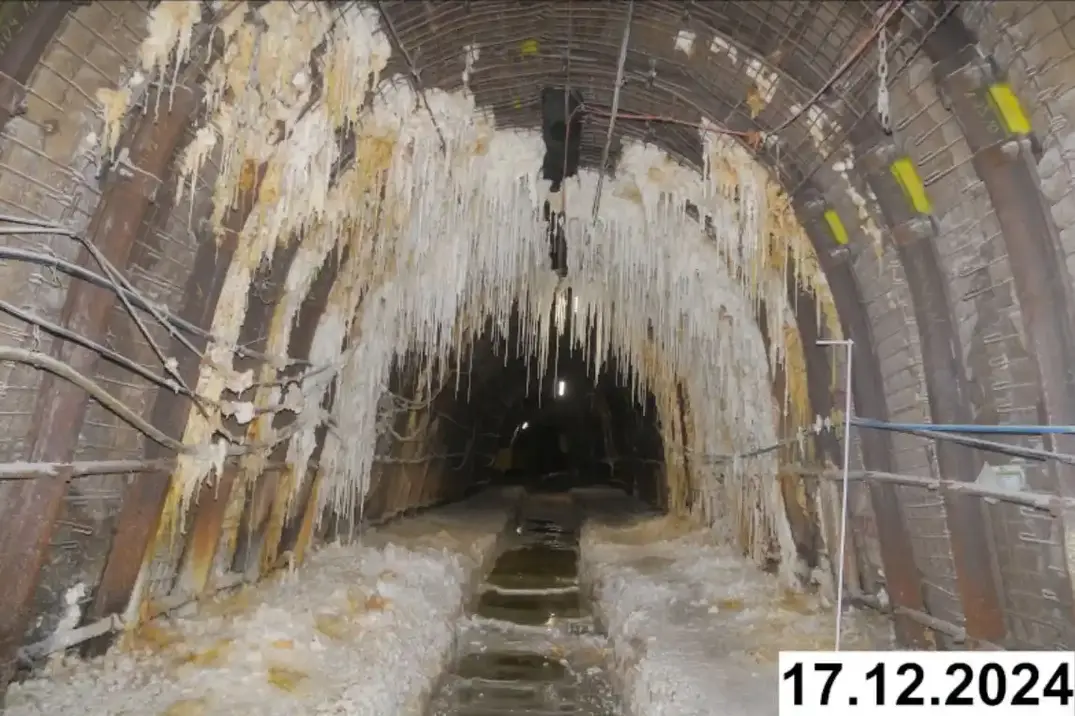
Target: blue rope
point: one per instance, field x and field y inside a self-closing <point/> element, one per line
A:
<point x="970" y="429"/>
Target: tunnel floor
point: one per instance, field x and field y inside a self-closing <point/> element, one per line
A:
<point x="530" y="647"/>
<point x="581" y="603"/>
<point x="362" y="629"/>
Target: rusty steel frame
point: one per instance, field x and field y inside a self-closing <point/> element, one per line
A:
<point x="1006" y="166"/>
<point x="210" y="530"/>
<point x="214" y="497"/>
<point x="29" y="509"/>
<point x="914" y="238"/>
<point x="203" y="540"/>
<point x="143" y="501"/>
<point x="820" y="392"/>
<point x="259" y="488"/>
<point x="306" y="321"/>
<point x="805" y="529"/>
<point x="903" y="580"/>
<point x="23" y="39"/>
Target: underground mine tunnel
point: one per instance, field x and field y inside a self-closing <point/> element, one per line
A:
<point x="452" y="358"/>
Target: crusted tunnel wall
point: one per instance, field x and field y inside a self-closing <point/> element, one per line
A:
<point x="936" y="246"/>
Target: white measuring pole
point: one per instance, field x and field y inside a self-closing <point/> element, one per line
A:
<point x="848" y="344"/>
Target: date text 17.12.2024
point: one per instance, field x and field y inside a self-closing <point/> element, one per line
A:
<point x="917" y="683"/>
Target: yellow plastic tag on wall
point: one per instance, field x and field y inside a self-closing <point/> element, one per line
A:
<point x="1009" y="108"/>
<point x="903" y="169"/>
<point x="836" y="226"/>
<point x="529" y="47"/>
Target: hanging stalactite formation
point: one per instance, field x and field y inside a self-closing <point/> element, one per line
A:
<point x="438" y="220"/>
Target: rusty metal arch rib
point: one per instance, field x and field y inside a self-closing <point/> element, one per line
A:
<point x="1004" y="162"/>
<point x="671" y="82"/>
<point x="139" y="513"/>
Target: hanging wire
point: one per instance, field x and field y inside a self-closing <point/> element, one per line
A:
<point x="615" y="107"/>
<point x="415" y="79"/>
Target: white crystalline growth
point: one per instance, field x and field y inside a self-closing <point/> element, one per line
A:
<point x="685" y="42"/>
<point x="471" y="243"/>
<point x="362" y="631"/>
<point x="696" y="629"/>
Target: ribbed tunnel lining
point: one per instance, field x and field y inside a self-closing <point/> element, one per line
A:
<point x="824" y="178"/>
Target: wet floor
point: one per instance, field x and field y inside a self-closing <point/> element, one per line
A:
<point x="530" y="648"/>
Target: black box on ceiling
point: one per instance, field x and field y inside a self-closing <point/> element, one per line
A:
<point x="561" y="129"/>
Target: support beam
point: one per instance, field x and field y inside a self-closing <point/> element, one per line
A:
<point x="804" y="529"/>
<point x="820" y="392"/>
<point x="140" y="513"/>
<point x="902" y="578"/>
<point x="216" y="529"/>
<point x="914" y="236"/>
<point x="263" y="523"/>
<point x="999" y="135"/>
<point x="26" y="29"/>
<point x="29" y="509"/>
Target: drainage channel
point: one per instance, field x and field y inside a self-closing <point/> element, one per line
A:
<point x="530" y="647"/>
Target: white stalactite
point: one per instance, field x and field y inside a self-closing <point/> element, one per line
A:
<point x="459" y="238"/>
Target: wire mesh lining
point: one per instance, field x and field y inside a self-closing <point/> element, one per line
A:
<point x="47" y="173"/>
<point x="927" y="526"/>
<point x="1037" y="589"/>
<point x="1034" y="43"/>
<point x="524" y="47"/>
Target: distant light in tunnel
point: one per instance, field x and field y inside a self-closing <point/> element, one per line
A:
<point x="524" y="426"/>
<point x="561" y="388"/>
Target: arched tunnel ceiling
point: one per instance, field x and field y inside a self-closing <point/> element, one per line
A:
<point x="749" y="67"/>
<point x="672" y="80"/>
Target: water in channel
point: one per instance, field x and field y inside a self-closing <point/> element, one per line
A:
<point x="530" y="647"/>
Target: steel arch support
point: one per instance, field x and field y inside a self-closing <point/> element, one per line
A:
<point x="805" y="531"/>
<point x="143" y="501"/>
<point x="819" y="391"/>
<point x="1000" y="140"/>
<point x="214" y="497"/>
<point x="914" y="235"/>
<point x="903" y="580"/>
<point x="28" y="509"/>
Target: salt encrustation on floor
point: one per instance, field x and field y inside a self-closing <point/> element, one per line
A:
<point x="360" y="629"/>
<point x="696" y="628"/>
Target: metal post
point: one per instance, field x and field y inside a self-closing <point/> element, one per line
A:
<point x="848" y="344"/>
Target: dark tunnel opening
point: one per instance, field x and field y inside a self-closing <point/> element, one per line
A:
<point x="497" y="417"/>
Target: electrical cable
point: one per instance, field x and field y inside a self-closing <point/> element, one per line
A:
<point x="120" y="286"/>
<point x="106" y="353"/>
<point x="968" y="428"/>
<point x="987" y="445"/>
<point x="615" y="107"/>
<point x="102" y="396"/>
<point x="932" y="434"/>
<point x="83" y="274"/>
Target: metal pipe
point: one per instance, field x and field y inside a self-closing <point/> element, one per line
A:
<point x="1036" y="500"/>
<point x="39" y="470"/>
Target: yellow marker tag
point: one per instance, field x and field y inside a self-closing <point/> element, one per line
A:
<point x="518" y="104"/>
<point x="1009" y="109"/>
<point x="903" y="169"/>
<point x="836" y="226"/>
<point x="529" y="47"/>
